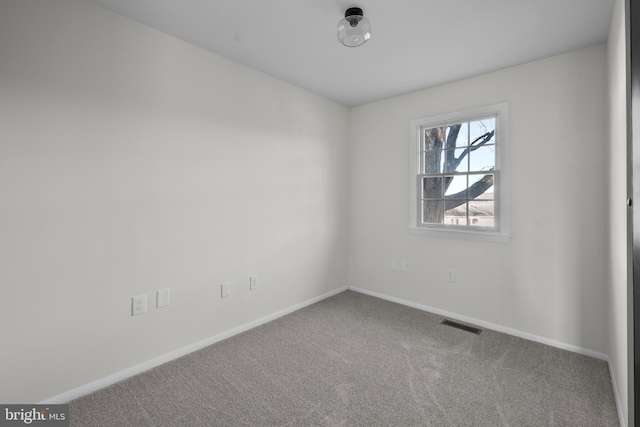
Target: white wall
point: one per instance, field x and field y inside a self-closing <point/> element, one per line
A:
<point x="549" y="279"/>
<point x="131" y="161"/>
<point x="619" y="290"/>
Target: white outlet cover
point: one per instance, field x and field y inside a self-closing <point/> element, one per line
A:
<point x="451" y="275"/>
<point x="253" y="282"/>
<point x="162" y="298"/>
<point x="403" y="266"/>
<point x="138" y="305"/>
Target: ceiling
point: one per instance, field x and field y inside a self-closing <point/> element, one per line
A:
<point x="414" y="44"/>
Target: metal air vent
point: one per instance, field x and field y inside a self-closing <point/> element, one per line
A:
<point x="461" y="326"/>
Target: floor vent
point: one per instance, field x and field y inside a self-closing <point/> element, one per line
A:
<point x="457" y="325"/>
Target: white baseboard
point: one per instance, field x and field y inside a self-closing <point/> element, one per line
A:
<point x="615" y="393"/>
<point x="509" y="331"/>
<point x="487" y="325"/>
<point x="135" y="370"/>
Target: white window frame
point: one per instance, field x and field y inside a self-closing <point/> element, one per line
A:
<point x="499" y="234"/>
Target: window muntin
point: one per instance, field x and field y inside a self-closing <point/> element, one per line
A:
<point x="457" y="174"/>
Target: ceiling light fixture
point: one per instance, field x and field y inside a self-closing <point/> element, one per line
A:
<point x="354" y="29"/>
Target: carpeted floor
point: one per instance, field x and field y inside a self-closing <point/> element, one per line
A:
<point x="355" y="360"/>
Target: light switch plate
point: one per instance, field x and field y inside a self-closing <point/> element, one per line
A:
<point x="162" y="298"/>
<point x="225" y="290"/>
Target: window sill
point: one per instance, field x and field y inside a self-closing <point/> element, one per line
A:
<point x="482" y="236"/>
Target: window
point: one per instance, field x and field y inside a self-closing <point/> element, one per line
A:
<point x="458" y="175"/>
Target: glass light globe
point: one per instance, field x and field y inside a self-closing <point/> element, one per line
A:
<point x="354" y="29"/>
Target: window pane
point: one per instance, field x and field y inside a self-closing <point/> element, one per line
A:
<point x="483" y="159"/>
<point x="432" y="188"/>
<point x="434" y="138"/>
<point x="433" y="162"/>
<point x="450" y="163"/>
<point x="481" y="213"/>
<point x="456" y="215"/>
<point x="432" y="211"/>
<point x="461" y="140"/>
<point x="481" y="184"/>
<point x="455" y="184"/>
<point x="479" y="128"/>
<point x="481" y="208"/>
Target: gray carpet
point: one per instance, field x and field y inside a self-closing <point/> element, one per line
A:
<point x="355" y="360"/>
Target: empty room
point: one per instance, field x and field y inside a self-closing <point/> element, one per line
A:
<point x="270" y="213"/>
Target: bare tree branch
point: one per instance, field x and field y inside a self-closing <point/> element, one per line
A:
<point x="477" y="188"/>
<point x="477" y="143"/>
<point x="481" y="140"/>
<point x="452" y="137"/>
<point x="450" y="154"/>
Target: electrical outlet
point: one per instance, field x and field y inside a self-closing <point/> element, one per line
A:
<point x="403" y="266"/>
<point x="225" y="290"/>
<point x="138" y="305"/>
<point x="253" y="282"/>
<point x="451" y="275"/>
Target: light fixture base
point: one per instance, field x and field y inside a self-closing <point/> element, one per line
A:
<point x="353" y="11"/>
